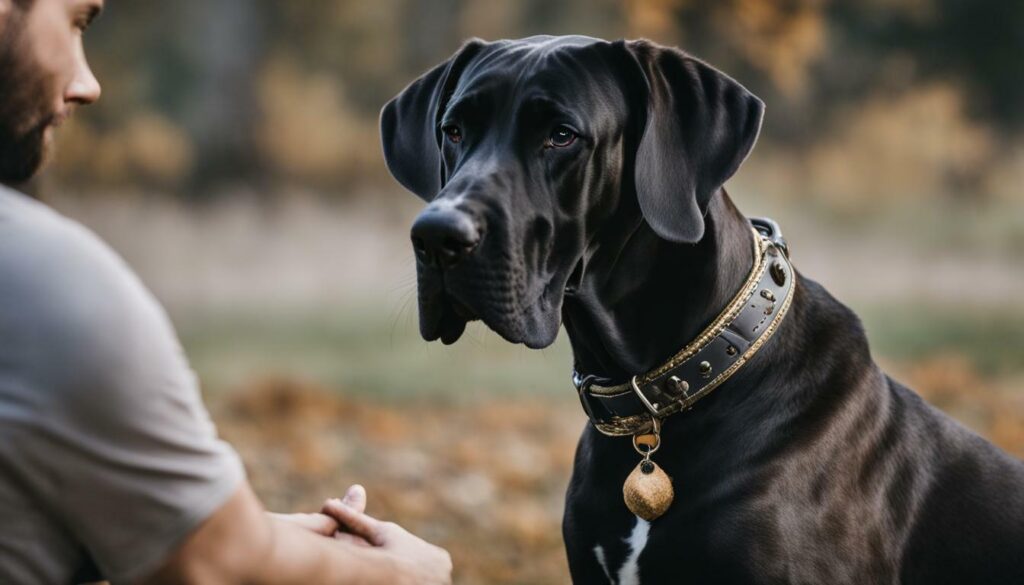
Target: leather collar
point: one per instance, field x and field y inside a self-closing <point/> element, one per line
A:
<point x="730" y="340"/>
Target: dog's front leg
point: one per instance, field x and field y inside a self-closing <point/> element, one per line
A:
<point x="602" y="538"/>
<point x="589" y="561"/>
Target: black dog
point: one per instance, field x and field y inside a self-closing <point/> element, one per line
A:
<point x="580" y="181"/>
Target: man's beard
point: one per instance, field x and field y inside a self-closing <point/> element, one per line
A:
<point x="23" y="122"/>
<point x="21" y="156"/>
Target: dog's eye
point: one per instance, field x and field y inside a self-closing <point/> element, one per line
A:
<point x="561" y="137"/>
<point x="454" y="133"/>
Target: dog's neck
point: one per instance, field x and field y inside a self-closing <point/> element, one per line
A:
<point x="642" y="298"/>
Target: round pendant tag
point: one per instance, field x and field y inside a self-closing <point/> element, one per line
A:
<point x="648" y="491"/>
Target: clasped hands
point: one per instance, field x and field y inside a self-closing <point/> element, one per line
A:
<point x="345" y="520"/>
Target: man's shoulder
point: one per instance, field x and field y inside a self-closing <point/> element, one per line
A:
<point x="60" y="285"/>
<point x="21" y="212"/>
<point x="40" y="249"/>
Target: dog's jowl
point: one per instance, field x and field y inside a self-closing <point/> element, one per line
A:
<point x="577" y="182"/>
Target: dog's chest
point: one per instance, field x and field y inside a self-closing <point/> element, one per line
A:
<point x="669" y="550"/>
<point x="619" y="560"/>
<point x="640" y="553"/>
<point x="722" y="540"/>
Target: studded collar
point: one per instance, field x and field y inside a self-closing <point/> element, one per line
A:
<point x="717" y="353"/>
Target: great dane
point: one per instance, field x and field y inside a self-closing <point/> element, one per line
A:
<point x="576" y="181"/>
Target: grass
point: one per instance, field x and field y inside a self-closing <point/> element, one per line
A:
<point x="367" y="350"/>
<point x="991" y="338"/>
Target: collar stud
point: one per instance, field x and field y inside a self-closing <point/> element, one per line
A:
<point x="778" y="272"/>
<point x="678" y="386"/>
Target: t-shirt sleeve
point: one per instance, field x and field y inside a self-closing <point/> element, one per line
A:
<point x="117" y="444"/>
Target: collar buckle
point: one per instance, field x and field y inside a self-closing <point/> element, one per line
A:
<point x="770" y="230"/>
<point x="659" y="405"/>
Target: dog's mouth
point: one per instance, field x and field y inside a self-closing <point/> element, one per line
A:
<point x="530" y="319"/>
<point x="451" y="322"/>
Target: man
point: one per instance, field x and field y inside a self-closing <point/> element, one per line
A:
<point x="109" y="464"/>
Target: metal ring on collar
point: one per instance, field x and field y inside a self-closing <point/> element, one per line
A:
<point x="652" y="408"/>
<point x="656" y="432"/>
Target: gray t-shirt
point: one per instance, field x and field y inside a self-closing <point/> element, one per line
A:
<point x="107" y="454"/>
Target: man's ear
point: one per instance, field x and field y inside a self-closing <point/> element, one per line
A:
<point x="409" y="124"/>
<point x="700" y="126"/>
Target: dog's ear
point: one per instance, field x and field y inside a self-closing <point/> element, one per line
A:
<point x="700" y="126"/>
<point x="409" y="124"/>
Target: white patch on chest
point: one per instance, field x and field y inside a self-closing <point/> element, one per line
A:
<point x="629" y="573"/>
<point x="599" y="553"/>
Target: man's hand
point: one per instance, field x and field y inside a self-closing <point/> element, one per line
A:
<point x="321" y="524"/>
<point x="355" y="498"/>
<point x="240" y="543"/>
<point x="422" y="562"/>
<point x="325" y="525"/>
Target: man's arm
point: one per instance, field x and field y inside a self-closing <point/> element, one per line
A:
<point x="240" y="543"/>
<point x="114" y="441"/>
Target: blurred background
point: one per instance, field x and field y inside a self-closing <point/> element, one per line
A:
<point x="234" y="161"/>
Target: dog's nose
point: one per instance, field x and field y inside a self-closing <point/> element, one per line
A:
<point x="443" y="237"/>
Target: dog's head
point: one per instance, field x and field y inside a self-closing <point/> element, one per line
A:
<point x="526" y="149"/>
